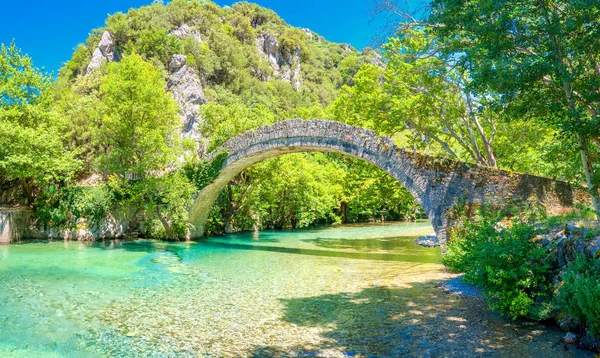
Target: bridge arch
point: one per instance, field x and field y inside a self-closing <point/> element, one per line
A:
<point x="436" y="184"/>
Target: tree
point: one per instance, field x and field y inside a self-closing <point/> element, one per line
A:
<point x="422" y="99"/>
<point x="434" y="99"/>
<point x="140" y="135"/>
<point x="32" y="150"/>
<point x="540" y="56"/>
<point x="140" y="126"/>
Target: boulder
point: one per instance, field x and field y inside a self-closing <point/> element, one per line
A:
<point x="566" y="322"/>
<point x="570" y="338"/>
<point x="347" y="47"/>
<point x="430" y="240"/>
<point x="593" y="248"/>
<point x="569" y="247"/>
<point x="177" y="62"/>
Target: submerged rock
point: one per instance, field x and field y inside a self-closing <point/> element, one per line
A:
<point x="459" y="286"/>
<point x="590" y="343"/>
<point x="570" y="338"/>
<point x="430" y="240"/>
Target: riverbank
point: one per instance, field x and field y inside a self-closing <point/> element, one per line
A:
<point x="533" y="267"/>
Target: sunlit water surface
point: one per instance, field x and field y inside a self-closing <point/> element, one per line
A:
<point x="350" y="291"/>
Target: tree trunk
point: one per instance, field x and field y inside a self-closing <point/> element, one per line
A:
<point x="486" y="143"/>
<point x="592" y="182"/>
<point x="491" y="159"/>
<point x="344" y="212"/>
<point x="229" y="213"/>
<point x="165" y="225"/>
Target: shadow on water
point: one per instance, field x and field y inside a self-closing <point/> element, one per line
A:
<point x="383" y="243"/>
<point x="420" y="320"/>
<point x="416" y="257"/>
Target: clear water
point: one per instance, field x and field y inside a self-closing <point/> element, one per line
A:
<point x="350" y="291"/>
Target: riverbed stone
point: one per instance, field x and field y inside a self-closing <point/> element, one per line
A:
<point x="566" y="322"/>
<point x="570" y="338"/>
<point x="430" y="240"/>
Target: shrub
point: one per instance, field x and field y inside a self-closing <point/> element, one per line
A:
<point x="579" y="293"/>
<point x="64" y="208"/>
<point x="513" y="270"/>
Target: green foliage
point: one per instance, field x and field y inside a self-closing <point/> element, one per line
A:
<point x="579" y="293"/>
<point x="204" y="172"/>
<point x="169" y="200"/>
<point x="513" y="270"/>
<point x="78" y="64"/>
<point x="79" y="103"/>
<point x="371" y="194"/>
<point x="223" y="122"/>
<point x="155" y="43"/>
<point x="73" y="207"/>
<point x="537" y="59"/>
<point x="293" y="39"/>
<point x="296" y="191"/>
<point x="140" y="126"/>
<point x="32" y="150"/>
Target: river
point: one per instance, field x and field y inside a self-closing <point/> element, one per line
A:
<point x="348" y="291"/>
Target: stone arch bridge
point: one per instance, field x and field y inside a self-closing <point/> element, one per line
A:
<point x="437" y="184"/>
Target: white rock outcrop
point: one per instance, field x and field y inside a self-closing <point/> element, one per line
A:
<point x="184" y="31"/>
<point x="286" y="66"/>
<point x="105" y="52"/>
<point x="186" y="88"/>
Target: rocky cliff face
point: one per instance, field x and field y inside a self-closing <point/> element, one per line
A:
<point x="186" y="88"/>
<point x="184" y="31"/>
<point x="183" y="83"/>
<point x="286" y="66"/>
<point x="105" y="52"/>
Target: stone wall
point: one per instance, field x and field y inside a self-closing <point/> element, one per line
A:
<point x="436" y="184"/>
<point x="13" y="223"/>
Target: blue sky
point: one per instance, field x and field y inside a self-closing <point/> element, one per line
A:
<point x="49" y="30"/>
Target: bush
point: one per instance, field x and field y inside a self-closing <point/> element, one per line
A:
<point x="64" y="208"/>
<point x="579" y="293"/>
<point x="513" y="270"/>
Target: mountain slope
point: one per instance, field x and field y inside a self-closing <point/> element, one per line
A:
<point x="240" y="54"/>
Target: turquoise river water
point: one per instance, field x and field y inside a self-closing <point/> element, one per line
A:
<point x="349" y="291"/>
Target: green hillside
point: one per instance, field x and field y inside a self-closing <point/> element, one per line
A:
<point x="243" y="67"/>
